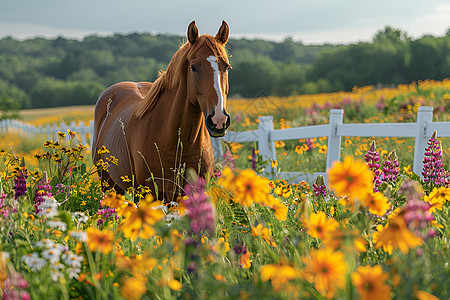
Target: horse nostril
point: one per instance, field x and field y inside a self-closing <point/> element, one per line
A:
<point x="210" y="123"/>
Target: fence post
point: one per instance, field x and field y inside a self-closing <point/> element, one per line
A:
<point x="217" y="148"/>
<point x="265" y="144"/>
<point x="334" y="141"/>
<point x="424" y="117"/>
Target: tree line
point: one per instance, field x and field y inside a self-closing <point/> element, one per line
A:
<point x="42" y="72"/>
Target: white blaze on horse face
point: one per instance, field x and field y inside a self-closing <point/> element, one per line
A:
<point x="219" y="117"/>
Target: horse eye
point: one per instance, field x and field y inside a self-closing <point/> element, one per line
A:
<point x="193" y="68"/>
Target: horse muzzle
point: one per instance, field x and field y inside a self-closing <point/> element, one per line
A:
<point x="212" y="124"/>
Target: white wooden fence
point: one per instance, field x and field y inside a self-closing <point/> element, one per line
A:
<point x="266" y="135"/>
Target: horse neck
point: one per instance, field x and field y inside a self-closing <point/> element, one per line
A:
<point x="183" y="113"/>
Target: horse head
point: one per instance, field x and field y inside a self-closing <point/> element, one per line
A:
<point x="207" y="77"/>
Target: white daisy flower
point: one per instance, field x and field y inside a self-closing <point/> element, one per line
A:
<point x="58" y="225"/>
<point x="72" y="260"/>
<point x="56" y="275"/>
<point x="33" y="261"/>
<point x="74" y="272"/>
<point x="80" y="216"/>
<point x="52" y="255"/>
<point x="81" y="236"/>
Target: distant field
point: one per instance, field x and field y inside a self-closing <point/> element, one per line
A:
<point x="41" y="116"/>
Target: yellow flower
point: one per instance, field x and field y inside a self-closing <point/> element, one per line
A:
<point x="280" y="209"/>
<point x="371" y="283"/>
<point x="422" y="295"/>
<point x="352" y="178"/>
<point x="125" y="178"/>
<point x="103" y="150"/>
<point x="326" y="269"/>
<point x="279" y="144"/>
<point x="298" y="150"/>
<point x="341" y="239"/>
<point x="245" y="260"/>
<point x="134" y="287"/>
<point x="274" y="163"/>
<point x="247" y="187"/>
<point x="278" y="274"/>
<point x="377" y="203"/>
<point x="138" y="223"/>
<point x="437" y="198"/>
<point x="100" y="240"/>
<point x="319" y="226"/>
<point x="323" y="149"/>
<point x="396" y="234"/>
<point x="262" y="231"/>
<point x="139" y="263"/>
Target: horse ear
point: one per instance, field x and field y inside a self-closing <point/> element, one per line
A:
<point x="222" y="34"/>
<point x="192" y="33"/>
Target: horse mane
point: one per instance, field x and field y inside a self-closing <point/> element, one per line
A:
<point x="169" y="79"/>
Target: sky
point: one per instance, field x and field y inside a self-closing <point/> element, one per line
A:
<point x="309" y="21"/>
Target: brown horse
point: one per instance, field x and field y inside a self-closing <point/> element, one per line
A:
<point x="158" y="130"/>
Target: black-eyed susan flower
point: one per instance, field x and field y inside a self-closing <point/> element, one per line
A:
<point x="98" y="240"/>
<point x="326" y="269"/>
<point x="377" y="203"/>
<point x="396" y="234"/>
<point x="351" y="178"/>
<point x="371" y="283"/>
<point x="319" y="226"/>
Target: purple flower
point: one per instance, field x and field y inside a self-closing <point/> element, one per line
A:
<point x="106" y="214"/>
<point x="417" y="218"/>
<point x="310" y="144"/>
<point x="391" y="168"/>
<point x="240" y="249"/>
<point x="253" y="159"/>
<point x="43" y="189"/>
<point x="319" y="187"/>
<point x="228" y="158"/>
<point x="372" y="158"/>
<point x="434" y="173"/>
<point x="200" y="210"/>
<point x="20" y="182"/>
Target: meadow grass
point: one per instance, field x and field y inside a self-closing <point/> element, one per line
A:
<point x="373" y="230"/>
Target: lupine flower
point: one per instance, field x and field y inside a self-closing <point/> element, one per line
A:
<point x="418" y="217"/>
<point x="43" y="189"/>
<point x="240" y="249"/>
<point x="371" y="283"/>
<point x="433" y="166"/>
<point x="391" y="168"/>
<point x="200" y="210"/>
<point x="228" y="160"/>
<point x="372" y="158"/>
<point x="4" y="211"/>
<point x="319" y="187"/>
<point x="253" y="159"/>
<point x="20" y="182"/>
<point x="14" y="287"/>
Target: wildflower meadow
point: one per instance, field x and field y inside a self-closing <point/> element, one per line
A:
<point x="371" y="229"/>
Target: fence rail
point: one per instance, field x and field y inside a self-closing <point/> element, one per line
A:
<point x="266" y="136"/>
